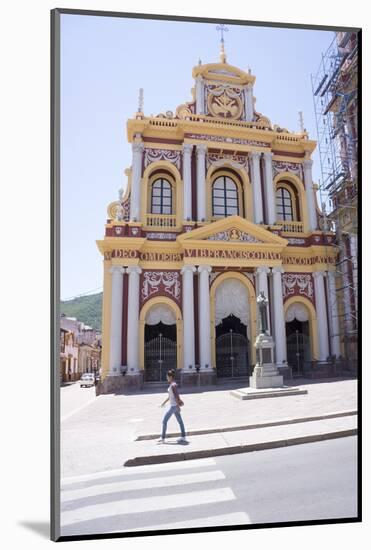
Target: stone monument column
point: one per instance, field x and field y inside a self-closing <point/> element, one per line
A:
<point x="256" y="187"/>
<point x="319" y="289"/>
<point x="204" y="316"/>
<point x="136" y="176"/>
<point x="188" y="317"/>
<point x="133" y="319"/>
<point x="261" y="275"/>
<point x="201" y="183"/>
<point x="187" y="181"/>
<point x="333" y="313"/>
<point x="116" y="320"/>
<point x="265" y="373"/>
<point x="279" y="318"/>
<point x="308" y="182"/>
<point x="270" y="194"/>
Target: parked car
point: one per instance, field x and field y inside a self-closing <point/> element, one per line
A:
<point x="87" y="380"/>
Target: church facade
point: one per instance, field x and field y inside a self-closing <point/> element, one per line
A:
<point x="219" y="206"/>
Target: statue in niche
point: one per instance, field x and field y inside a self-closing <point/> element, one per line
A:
<point x="262" y="301"/>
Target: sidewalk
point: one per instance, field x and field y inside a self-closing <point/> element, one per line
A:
<point x="120" y="429"/>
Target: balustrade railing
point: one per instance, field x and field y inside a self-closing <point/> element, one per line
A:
<point x="161" y="220"/>
<point x="292" y="227"/>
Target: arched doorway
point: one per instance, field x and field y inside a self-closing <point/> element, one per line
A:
<point x="160" y="343"/>
<point x="298" y="338"/>
<point x="232" y="346"/>
<point x="231" y="329"/>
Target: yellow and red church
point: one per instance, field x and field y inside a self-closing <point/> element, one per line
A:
<point x="220" y="205"/>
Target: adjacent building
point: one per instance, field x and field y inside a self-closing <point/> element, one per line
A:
<point x="220" y="205"/>
<point x="80" y="349"/>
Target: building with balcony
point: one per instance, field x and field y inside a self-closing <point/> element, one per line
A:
<point x="219" y="205"/>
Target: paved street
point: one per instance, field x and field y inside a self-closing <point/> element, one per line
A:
<point x="97" y="436"/>
<point x="304" y="482"/>
<point x="74" y="398"/>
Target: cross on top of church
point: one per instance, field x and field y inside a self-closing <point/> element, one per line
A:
<point x="222" y="28"/>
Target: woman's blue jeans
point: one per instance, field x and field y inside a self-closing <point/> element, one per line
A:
<point x="173" y="410"/>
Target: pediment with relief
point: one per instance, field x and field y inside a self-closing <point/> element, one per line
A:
<point x="232" y="229"/>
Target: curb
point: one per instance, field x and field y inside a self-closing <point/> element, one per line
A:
<point x="253" y="426"/>
<point x="160" y="459"/>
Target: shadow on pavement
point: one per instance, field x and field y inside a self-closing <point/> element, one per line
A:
<point x="40" y="527"/>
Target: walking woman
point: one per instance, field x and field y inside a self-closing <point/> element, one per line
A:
<point x="175" y="404"/>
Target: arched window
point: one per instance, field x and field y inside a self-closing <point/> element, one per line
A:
<point x="284" y="205"/>
<point x="161" y="197"/>
<point x="225" y="197"/>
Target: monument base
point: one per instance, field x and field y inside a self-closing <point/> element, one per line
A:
<point x="265" y="373"/>
<point x="252" y="393"/>
<point x="266" y="376"/>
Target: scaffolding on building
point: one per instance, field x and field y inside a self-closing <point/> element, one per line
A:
<point x="334" y="88"/>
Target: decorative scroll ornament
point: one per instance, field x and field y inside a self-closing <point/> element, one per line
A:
<point x="233" y="235"/>
<point x="154" y="281"/>
<point x="298" y="312"/>
<point x="119" y="211"/>
<point x="237" y="161"/>
<point x="225" y="101"/>
<point x="231" y="299"/>
<point x="160" y="314"/>
<point x="185" y="110"/>
<point x="293" y="167"/>
<point x="154" y="155"/>
<point x="291" y="282"/>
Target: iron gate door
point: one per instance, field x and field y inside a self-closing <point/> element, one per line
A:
<point x="297" y="352"/>
<point x="159" y="357"/>
<point x="232" y="356"/>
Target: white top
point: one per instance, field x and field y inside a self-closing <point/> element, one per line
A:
<point x="173" y="401"/>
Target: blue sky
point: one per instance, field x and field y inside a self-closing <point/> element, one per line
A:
<point x="104" y="62"/>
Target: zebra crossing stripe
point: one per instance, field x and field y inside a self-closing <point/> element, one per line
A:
<point x="138" y="484"/>
<point x="149" y="504"/>
<point x="181" y="465"/>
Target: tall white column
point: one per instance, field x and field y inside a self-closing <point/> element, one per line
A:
<point x="262" y="286"/>
<point x="308" y="182"/>
<point x="319" y="289"/>
<point x="270" y="194"/>
<point x="200" y="95"/>
<point x="204" y="316"/>
<point x="333" y="313"/>
<point x="201" y="183"/>
<point x="256" y="187"/>
<point x="136" y="176"/>
<point x="188" y="317"/>
<point x="116" y="320"/>
<point x="187" y="181"/>
<point x="279" y="317"/>
<point x="249" y="103"/>
<point x="133" y="319"/>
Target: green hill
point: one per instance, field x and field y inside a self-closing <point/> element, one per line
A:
<point x="87" y="309"/>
